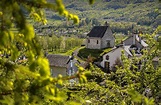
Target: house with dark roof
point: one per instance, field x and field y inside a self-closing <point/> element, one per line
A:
<point x="100" y="37"/>
<point x="61" y="64"/>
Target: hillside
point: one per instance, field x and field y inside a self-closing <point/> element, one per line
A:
<point x="142" y="12"/>
<point x="124" y="16"/>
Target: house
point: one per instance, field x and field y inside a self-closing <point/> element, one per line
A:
<point x="100" y="37"/>
<point x="110" y="58"/>
<point x="136" y="40"/>
<point x="61" y="64"/>
<point x="133" y="44"/>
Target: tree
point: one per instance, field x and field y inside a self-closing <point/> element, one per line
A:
<point x="128" y="85"/>
<point x="118" y="63"/>
<point x="30" y="83"/>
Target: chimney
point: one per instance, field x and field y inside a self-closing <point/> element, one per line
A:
<point x="134" y="39"/>
<point x="107" y="24"/>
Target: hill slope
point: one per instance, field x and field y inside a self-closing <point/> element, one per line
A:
<point x="138" y="12"/>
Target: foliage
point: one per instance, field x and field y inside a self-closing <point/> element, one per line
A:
<point x="129" y="84"/>
<point x="84" y="53"/>
<point x="55" y="44"/>
<point x="142" y="13"/>
<point x="29" y="82"/>
<point x="119" y="38"/>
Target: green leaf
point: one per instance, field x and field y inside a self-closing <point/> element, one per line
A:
<point x="44" y="67"/>
<point x="29" y="32"/>
<point x="135" y="96"/>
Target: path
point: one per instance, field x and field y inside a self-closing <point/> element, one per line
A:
<point x="82" y="62"/>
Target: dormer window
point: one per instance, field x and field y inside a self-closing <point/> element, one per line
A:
<point x="107" y="57"/>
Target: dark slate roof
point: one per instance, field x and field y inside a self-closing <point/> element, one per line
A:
<point x="58" y="60"/>
<point x="97" y="31"/>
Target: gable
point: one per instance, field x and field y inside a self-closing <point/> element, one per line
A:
<point x="108" y="35"/>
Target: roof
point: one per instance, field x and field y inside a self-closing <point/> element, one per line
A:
<point x="126" y="48"/>
<point x="112" y="50"/>
<point x="97" y="31"/>
<point x="58" y="60"/>
<point x="142" y="42"/>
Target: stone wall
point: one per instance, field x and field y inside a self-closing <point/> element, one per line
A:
<point x="93" y="43"/>
<point x="108" y="37"/>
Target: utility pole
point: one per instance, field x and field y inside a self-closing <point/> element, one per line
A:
<point x="71" y="70"/>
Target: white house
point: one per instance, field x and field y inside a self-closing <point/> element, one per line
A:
<point x="60" y="64"/>
<point x="132" y="43"/>
<point x="100" y="37"/>
<point x="109" y="59"/>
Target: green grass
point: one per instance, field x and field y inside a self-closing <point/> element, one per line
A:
<point x="84" y="53"/>
<point x="69" y="52"/>
<point x="119" y="38"/>
<point x="105" y="51"/>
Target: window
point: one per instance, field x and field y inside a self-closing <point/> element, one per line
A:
<point x="97" y="41"/>
<point x="88" y="40"/>
<point x="107" y="57"/>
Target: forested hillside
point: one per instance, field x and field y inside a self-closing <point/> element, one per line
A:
<point x="122" y="14"/>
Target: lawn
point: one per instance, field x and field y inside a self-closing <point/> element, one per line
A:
<point x="84" y="53"/>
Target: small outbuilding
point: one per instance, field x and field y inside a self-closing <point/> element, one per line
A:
<point x="100" y="37"/>
<point x="61" y="64"/>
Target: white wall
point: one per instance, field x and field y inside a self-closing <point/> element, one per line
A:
<point x="113" y="55"/>
<point x="63" y="70"/>
<point x="93" y="43"/>
<point x="108" y="36"/>
<point x="58" y="70"/>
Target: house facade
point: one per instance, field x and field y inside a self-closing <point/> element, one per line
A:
<point x="100" y="37"/>
<point x="60" y="64"/>
<point x="133" y="44"/>
<point x="110" y="58"/>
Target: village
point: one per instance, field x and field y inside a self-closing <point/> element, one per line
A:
<point x="80" y="52"/>
<point x="101" y="37"/>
